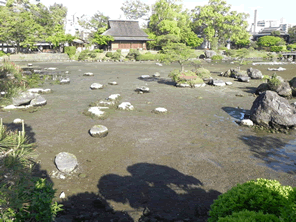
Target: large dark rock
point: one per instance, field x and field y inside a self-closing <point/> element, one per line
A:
<point x="284" y="90"/>
<point x="269" y="109"/>
<point x="254" y="73"/>
<point x="292" y="83"/>
<point x="262" y="88"/>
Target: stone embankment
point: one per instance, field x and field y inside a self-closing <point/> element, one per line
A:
<point x="39" y="57"/>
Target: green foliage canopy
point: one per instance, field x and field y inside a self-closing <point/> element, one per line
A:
<point x="268" y="41"/>
<point x="134" y="9"/>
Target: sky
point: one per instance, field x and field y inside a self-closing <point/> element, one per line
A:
<point x="266" y="9"/>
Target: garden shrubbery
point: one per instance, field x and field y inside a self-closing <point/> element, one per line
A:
<point x="261" y="196"/>
<point x="217" y="57"/>
<point x="22" y="196"/>
<point x="70" y="50"/>
<point x="180" y="77"/>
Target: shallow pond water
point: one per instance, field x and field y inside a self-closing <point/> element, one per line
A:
<point x="166" y="163"/>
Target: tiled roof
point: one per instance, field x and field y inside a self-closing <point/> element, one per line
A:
<point x="126" y="29"/>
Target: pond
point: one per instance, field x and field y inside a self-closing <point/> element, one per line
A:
<point x="170" y="162"/>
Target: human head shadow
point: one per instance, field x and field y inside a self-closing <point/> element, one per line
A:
<point x="276" y="153"/>
<point x="165" y="191"/>
<point x="18" y="127"/>
<point x="236" y="113"/>
<point x="89" y="206"/>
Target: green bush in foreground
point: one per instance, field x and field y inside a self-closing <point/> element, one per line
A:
<point x="84" y="55"/>
<point x="263" y="195"/>
<point x="203" y="73"/>
<point x="182" y="77"/>
<point x="109" y="54"/>
<point x="249" y="216"/>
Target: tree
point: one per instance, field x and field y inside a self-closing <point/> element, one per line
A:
<point x="292" y="33"/>
<point x="275" y="33"/>
<point x="215" y="20"/>
<point x="168" y="19"/>
<point x="268" y="41"/>
<point x="102" y="39"/>
<point x="58" y="13"/>
<point x="135" y="9"/>
<point x="98" y="20"/>
<point x="177" y="52"/>
<point x="18" y="26"/>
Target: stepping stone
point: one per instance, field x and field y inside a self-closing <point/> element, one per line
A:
<point x="113" y="97"/>
<point x="243" y="79"/>
<point x="228" y="83"/>
<point x="246" y="122"/>
<point x="65" y="81"/>
<point x="17" y="121"/>
<point x="183" y="85"/>
<point x="66" y="72"/>
<point x="218" y="82"/>
<point x="145" y="77"/>
<point x="113" y="83"/>
<point x="29" y="64"/>
<point x="38" y="101"/>
<point x="66" y="162"/>
<point x="126" y="106"/>
<point x="98" y="131"/>
<point x="199" y="85"/>
<point x="156" y="74"/>
<point x="88" y="74"/>
<point x="51" y="68"/>
<point x="144" y="89"/>
<point x="106" y="103"/>
<point x="159" y="64"/>
<point x="23" y="98"/>
<point x="39" y="90"/>
<point x="96" y="86"/>
<point x="160" y="110"/>
<point x="97" y="110"/>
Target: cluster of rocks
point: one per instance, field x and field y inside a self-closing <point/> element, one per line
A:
<point x="242" y="75"/>
<point x="272" y="111"/>
<point x="26" y="100"/>
<point x="278" y="85"/>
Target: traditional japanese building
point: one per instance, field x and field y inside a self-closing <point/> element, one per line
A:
<point x="127" y="35"/>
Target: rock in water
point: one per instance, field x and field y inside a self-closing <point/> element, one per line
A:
<point x="88" y="74"/>
<point x="255" y="73"/>
<point x="126" y="106"/>
<point x="269" y="109"/>
<point x="96" y="86"/>
<point x="218" y="82"/>
<point x="23" y="99"/>
<point x="160" y="110"/>
<point x="66" y="162"/>
<point x="98" y="131"/>
<point x="65" y="81"/>
<point x="38" y="101"/>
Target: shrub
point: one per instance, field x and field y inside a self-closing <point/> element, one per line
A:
<point x="277" y="48"/>
<point x="249" y="216"/>
<point x="146" y="57"/>
<point x="2" y="53"/>
<point x="273" y="82"/>
<point x="116" y="56"/>
<point x="92" y="54"/>
<point x="217" y="57"/>
<point x="148" y="53"/>
<point x="230" y="52"/>
<point x="133" y="53"/>
<point x="109" y="54"/>
<point x="98" y="50"/>
<point x="291" y="46"/>
<point x="84" y="55"/>
<point x="180" y="77"/>
<point x="223" y="48"/>
<point x="203" y="73"/>
<point x="263" y="195"/>
<point x="70" y="50"/>
<point x="118" y="51"/>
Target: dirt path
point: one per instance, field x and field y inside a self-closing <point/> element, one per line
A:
<point x="168" y="163"/>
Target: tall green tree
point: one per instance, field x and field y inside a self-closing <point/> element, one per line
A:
<point x="168" y="19"/>
<point x="216" y="20"/>
<point x="135" y="9"/>
<point x="292" y="33"/>
<point x="102" y="39"/>
<point x="98" y="20"/>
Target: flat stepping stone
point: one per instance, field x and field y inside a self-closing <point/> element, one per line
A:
<point x="144" y="89"/>
<point x="113" y="83"/>
<point x="66" y="162"/>
<point x="158" y="64"/>
<point x="160" y="110"/>
<point x="113" y="97"/>
<point x="145" y="77"/>
<point x="244" y="79"/>
<point x="156" y="74"/>
<point x="126" y="106"/>
<point x="9" y="107"/>
<point x="29" y="64"/>
<point x="23" y="98"/>
<point x="51" y="68"/>
<point x="98" y="131"/>
<point x="65" y="81"/>
<point x="38" y="101"/>
<point x="228" y="83"/>
<point x="106" y="103"/>
<point x="183" y="85"/>
<point x="218" y="82"/>
<point x="39" y="90"/>
<point x="17" y="121"/>
<point x="96" y="86"/>
<point x="97" y="110"/>
<point x="88" y="74"/>
<point x="199" y="85"/>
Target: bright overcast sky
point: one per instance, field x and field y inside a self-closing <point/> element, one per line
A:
<point x="267" y="9"/>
